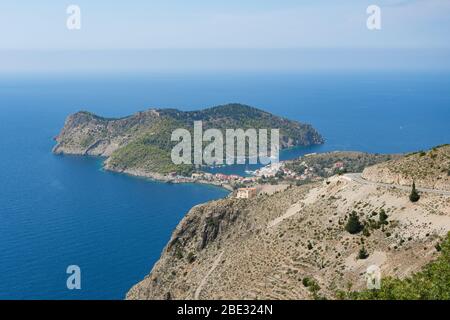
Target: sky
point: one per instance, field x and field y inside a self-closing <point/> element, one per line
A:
<point x="212" y="34"/>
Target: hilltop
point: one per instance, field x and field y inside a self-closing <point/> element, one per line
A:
<point x="303" y="242"/>
<point x="141" y="143"/>
<point x="429" y="169"/>
<point x="337" y="162"/>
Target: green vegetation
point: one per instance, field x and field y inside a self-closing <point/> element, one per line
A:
<point x="366" y="231"/>
<point x="88" y="141"/>
<point x="139" y="154"/>
<point x="313" y="287"/>
<point x="432" y="283"/>
<point x="147" y="141"/>
<point x="234" y="116"/>
<point x="414" y="196"/>
<point x="178" y="253"/>
<point x="353" y="225"/>
<point x="372" y="224"/>
<point x="324" y="164"/>
<point x="150" y="151"/>
<point x="191" y="257"/>
<point x="306" y="281"/>
<point x="362" y="254"/>
<point x="383" y="217"/>
<point x="238" y="185"/>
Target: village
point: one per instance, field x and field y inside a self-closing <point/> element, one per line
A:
<point x="266" y="180"/>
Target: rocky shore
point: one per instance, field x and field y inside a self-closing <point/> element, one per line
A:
<point x="167" y="178"/>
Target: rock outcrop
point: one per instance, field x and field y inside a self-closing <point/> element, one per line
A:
<point x="85" y="133"/>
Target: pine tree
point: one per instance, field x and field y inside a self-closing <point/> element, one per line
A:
<point x="414" y="196"/>
<point x="383" y="217"/>
<point x="362" y="254"/>
<point x="353" y="225"/>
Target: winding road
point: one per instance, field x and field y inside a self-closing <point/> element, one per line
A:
<point x="356" y="177"/>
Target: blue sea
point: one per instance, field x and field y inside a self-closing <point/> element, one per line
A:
<point x="57" y="211"/>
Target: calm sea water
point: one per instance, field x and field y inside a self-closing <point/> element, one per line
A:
<point x="59" y="210"/>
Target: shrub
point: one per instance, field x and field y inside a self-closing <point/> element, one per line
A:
<point x="366" y="231"/>
<point x="306" y="281"/>
<point x="414" y="196"/>
<point x="353" y="225"/>
<point x="178" y="253"/>
<point x="190" y="257"/>
<point x="383" y="217"/>
<point x="299" y="183"/>
<point x="313" y="287"/>
<point x="362" y="254"/>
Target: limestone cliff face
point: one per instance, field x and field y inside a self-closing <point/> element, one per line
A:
<point x="197" y="236"/>
<point x="429" y="169"/>
<point x="87" y="134"/>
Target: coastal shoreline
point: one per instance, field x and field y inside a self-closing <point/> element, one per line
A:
<point x="165" y="178"/>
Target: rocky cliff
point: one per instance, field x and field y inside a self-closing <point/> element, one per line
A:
<point x="85" y="133"/>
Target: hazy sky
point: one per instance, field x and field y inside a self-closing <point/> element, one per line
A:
<point x="420" y="27"/>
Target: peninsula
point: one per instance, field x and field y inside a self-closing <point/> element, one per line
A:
<point x="141" y="144"/>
